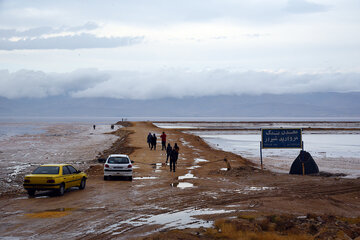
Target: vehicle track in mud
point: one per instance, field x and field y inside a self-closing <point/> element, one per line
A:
<point x="120" y="209"/>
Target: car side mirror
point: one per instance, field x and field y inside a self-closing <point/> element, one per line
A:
<point x="78" y="171"/>
<point x="132" y="161"/>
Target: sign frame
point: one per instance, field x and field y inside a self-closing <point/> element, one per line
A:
<point x="282" y="129"/>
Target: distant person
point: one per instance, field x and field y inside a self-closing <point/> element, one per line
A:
<point x="173" y="158"/>
<point x="154" y="139"/>
<point x="163" y="141"/>
<point x="149" y="139"/>
<point x="168" y="152"/>
<point x="112" y="126"/>
<point x="94" y="126"/>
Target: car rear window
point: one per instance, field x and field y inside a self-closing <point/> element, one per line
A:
<point x="118" y="160"/>
<point x="46" y="170"/>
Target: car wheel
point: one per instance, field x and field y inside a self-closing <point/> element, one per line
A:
<point x="82" y="184"/>
<point x="130" y="178"/>
<point x="61" y="190"/>
<point x="31" y="192"/>
<point x="106" y="178"/>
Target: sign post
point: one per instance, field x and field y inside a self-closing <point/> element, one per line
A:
<point x="280" y="138"/>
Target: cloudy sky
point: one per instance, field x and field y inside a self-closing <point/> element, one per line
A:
<point x="143" y="49"/>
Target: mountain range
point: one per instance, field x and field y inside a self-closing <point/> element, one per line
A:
<point x="329" y="104"/>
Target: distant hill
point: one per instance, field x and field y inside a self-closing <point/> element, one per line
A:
<point x="268" y="105"/>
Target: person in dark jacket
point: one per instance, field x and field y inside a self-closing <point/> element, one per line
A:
<point x="176" y="147"/>
<point x="153" y="142"/>
<point x="149" y="140"/>
<point x="168" y="152"/>
<point x="173" y="158"/>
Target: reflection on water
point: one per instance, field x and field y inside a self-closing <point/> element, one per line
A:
<point x="182" y="185"/>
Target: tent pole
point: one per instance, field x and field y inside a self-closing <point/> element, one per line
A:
<point x="303" y="168"/>
<point x="261" y="156"/>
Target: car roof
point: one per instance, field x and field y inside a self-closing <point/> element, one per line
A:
<point x="54" y="165"/>
<point x="118" y="155"/>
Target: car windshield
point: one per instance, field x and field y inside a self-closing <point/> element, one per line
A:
<point x="118" y="160"/>
<point x="46" y="170"/>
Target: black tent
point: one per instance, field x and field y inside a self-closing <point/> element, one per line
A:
<point x="310" y="166"/>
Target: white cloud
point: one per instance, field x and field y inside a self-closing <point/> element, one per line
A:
<point x="169" y="83"/>
<point x="37" y="84"/>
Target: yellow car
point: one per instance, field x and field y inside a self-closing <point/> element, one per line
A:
<point x="57" y="177"/>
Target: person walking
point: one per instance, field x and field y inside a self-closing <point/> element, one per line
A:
<point x="173" y="158"/>
<point x="153" y="142"/>
<point x="163" y="141"/>
<point x="149" y="139"/>
<point x="168" y="152"/>
<point x="176" y="147"/>
<point x="94" y="126"/>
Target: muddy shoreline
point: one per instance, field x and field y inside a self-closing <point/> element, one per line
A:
<point x="243" y="203"/>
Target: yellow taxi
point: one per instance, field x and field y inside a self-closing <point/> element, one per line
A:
<point x="57" y="177"/>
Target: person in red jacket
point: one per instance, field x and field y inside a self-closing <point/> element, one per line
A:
<point x="163" y="141"/>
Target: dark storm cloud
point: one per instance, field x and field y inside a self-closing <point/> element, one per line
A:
<point x="69" y="42"/>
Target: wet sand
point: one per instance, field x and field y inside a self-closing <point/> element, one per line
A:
<point x="77" y="144"/>
<point x="197" y="194"/>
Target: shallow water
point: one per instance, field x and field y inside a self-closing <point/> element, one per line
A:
<point x="178" y="219"/>
<point x="335" y="153"/>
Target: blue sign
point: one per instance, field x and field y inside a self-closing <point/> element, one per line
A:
<point x="281" y="138"/>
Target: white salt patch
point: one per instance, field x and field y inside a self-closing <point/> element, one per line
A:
<point x="193" y="167"/>
<point x="183" y="185"/>
<point x="186" y="176"/>
<point x="223" y="169"/>
<point x="197" y="160"/>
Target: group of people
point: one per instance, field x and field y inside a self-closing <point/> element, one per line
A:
<point x="171" y="152"/>
<point x="151" y="140"/>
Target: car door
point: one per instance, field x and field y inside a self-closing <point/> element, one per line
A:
<point x="67" y="177"/>
<point x="76" y="177"/>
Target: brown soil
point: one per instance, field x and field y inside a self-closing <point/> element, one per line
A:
<point x="264" y="205"/>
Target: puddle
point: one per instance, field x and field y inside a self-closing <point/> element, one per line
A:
<point x="55" y="213"/>
<point x="197" y="160"/>
<point x="42" y="196"/>
<point x="21" y="198"/>
<point x="172" y="220"/>
<point x="143" y="178"/>
<point x="187" y="176"/>
<point x="182" y="185"/>
<point x="193" y="167"/>
<point x="158" y="166"/>
<point x="258" y="188"/>
<point x="253" y="189"/>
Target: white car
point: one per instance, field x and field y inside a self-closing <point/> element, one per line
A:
<point x="118" y="165"/>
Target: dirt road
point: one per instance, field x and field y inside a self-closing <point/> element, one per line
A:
<point x="198" y="193"/>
